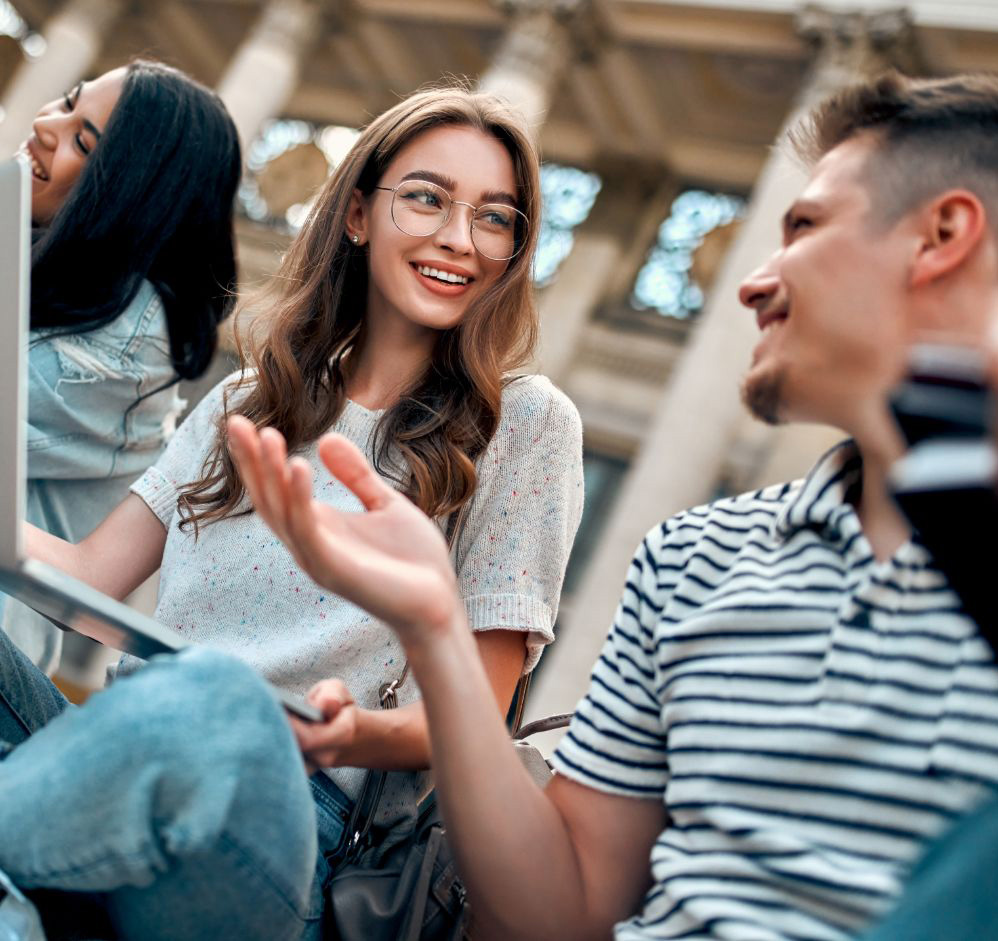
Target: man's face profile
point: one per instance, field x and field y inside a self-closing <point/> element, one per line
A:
<point x="829" y="302"/>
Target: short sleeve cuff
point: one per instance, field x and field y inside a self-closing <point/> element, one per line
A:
<point x="513" y="613"/>
<point x="158" y="493"/>
<point x="605" y="774"/>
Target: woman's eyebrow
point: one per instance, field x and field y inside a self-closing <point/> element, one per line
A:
<point x="498" y="196"/>
<point x="445" y="182"/>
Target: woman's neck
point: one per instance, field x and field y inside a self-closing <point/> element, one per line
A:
<point x="389" y="358"/>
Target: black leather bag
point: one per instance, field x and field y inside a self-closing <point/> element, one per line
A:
<point x="402" y="891"/>
<point x="410" y="890"/>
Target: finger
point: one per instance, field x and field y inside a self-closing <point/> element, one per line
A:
<point x="347" y="464"/>
<point x="247" y="448"/>
<point x="329" y="696"/>
<point x="308" y="542"/>
<point x="274" y="477"/>
<point x="244" y="448"/>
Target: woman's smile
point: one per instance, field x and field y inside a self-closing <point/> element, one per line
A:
<point x="441" y="278"/>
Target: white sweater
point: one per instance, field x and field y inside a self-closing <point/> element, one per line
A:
<point x="236" y="588"/>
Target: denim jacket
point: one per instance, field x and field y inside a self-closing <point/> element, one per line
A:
<point x="85" y="446"/>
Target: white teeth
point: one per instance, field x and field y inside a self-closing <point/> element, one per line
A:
<point x="36" y="167"/>
<point x="447" y="276"/>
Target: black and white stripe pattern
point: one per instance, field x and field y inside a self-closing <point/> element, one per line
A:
<point x="809" y="716"/>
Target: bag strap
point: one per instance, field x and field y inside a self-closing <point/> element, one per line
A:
<point x="547" y="724"/>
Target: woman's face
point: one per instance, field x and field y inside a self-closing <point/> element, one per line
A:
<point x="472" y="167"/>
<point x="64" y="134"/>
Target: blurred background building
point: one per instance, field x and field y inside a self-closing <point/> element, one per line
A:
<point x="662" y="189"/>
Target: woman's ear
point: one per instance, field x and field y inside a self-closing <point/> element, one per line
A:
<point x="954" y="224"/>
<point x="356" y="221"/>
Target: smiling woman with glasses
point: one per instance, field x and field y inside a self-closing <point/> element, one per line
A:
<point x="399" y="318"/>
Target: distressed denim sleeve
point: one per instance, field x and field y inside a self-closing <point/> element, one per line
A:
<point x="86" y="417"/>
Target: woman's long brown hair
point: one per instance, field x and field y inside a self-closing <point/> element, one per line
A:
<point x="293" y="374"/>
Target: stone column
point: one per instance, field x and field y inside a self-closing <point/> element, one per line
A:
<point x="263" y="74"/>
<point x="536" y="51"/>
<point x="73" y="39"/>
<point x="601" y="244"/>
<point x="687" y="447"/>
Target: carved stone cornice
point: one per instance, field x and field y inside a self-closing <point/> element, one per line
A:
<point x="583" y="22"/>
<point x="288" y="24"/>
<point x="849" y="46"/>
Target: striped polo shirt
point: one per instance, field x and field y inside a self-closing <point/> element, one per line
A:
<point x="809" y="716"/>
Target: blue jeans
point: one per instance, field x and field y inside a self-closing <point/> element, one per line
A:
<point x="173" y="805"/>
<point x="952" y="894"/>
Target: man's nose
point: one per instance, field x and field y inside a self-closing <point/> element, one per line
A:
<point x="757" y="289"/>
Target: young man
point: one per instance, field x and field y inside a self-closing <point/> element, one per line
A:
<point x="790" y="702"/>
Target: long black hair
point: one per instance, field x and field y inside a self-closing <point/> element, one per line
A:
<point x="154" y="201"/>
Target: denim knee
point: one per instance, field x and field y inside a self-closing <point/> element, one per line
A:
<point x="191" y="759"/>
<point x="204" y="723"/>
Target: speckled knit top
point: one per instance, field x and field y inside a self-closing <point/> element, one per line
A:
<point x="236" y="587"/>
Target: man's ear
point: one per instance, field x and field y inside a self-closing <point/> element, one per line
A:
<point x="952" y="227"/>
<point x="356" y="218"/>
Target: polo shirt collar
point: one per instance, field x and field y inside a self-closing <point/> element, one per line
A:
<point x="822" y="501"/>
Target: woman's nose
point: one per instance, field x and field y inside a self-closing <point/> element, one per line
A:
<point x="455" y="233"/>
<point x="46" y="129"/>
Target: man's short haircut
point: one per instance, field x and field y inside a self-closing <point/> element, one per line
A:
<point x="933" y="135"/>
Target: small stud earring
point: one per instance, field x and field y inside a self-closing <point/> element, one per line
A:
<point x="355" y="238"/>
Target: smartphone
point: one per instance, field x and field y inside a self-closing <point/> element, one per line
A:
<point x="946" y="482"/>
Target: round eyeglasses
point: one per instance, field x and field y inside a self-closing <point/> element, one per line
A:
<point x="420" y="208"/>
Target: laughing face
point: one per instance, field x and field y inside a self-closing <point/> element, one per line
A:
<point x="425" y="283"/>
<point x="64" y="134"/>
<point x="831" y="302"/>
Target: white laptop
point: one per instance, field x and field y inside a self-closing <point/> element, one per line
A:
<point x="67" y="601"/>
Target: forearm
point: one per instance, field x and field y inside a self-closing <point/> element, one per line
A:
<point x="117" y="557"/>
<point x="529" y="884"/>
<point x="390" y="740"/>
<point x="65" y="556"/>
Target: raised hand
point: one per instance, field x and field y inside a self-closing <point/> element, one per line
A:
<point x="391" y="560"/>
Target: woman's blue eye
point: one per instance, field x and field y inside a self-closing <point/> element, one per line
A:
<point x="425" y="197"/>
<point x="496" y="218"/>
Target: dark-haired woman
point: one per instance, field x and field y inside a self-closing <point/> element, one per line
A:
<point x="399" y="317"/>
<point x="133" y="180"/>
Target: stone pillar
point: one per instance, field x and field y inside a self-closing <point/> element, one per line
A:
<point x="73" y="39"/>
<point x="536" y="51"/>
<point x="601" y="244"/>
<point x="688" y="445"/>
<point x="263" y="74"/>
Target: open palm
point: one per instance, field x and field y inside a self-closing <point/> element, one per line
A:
<point x="391" y="560"/>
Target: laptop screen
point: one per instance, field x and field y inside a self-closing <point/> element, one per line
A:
<point x="15" y="260"/>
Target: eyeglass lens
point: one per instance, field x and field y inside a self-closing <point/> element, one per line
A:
<point x="420" y="208"/>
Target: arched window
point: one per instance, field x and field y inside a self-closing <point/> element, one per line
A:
<point x="665" y="282"/>
<point x="281" y="139"/>
<point x="567" y="194"/>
